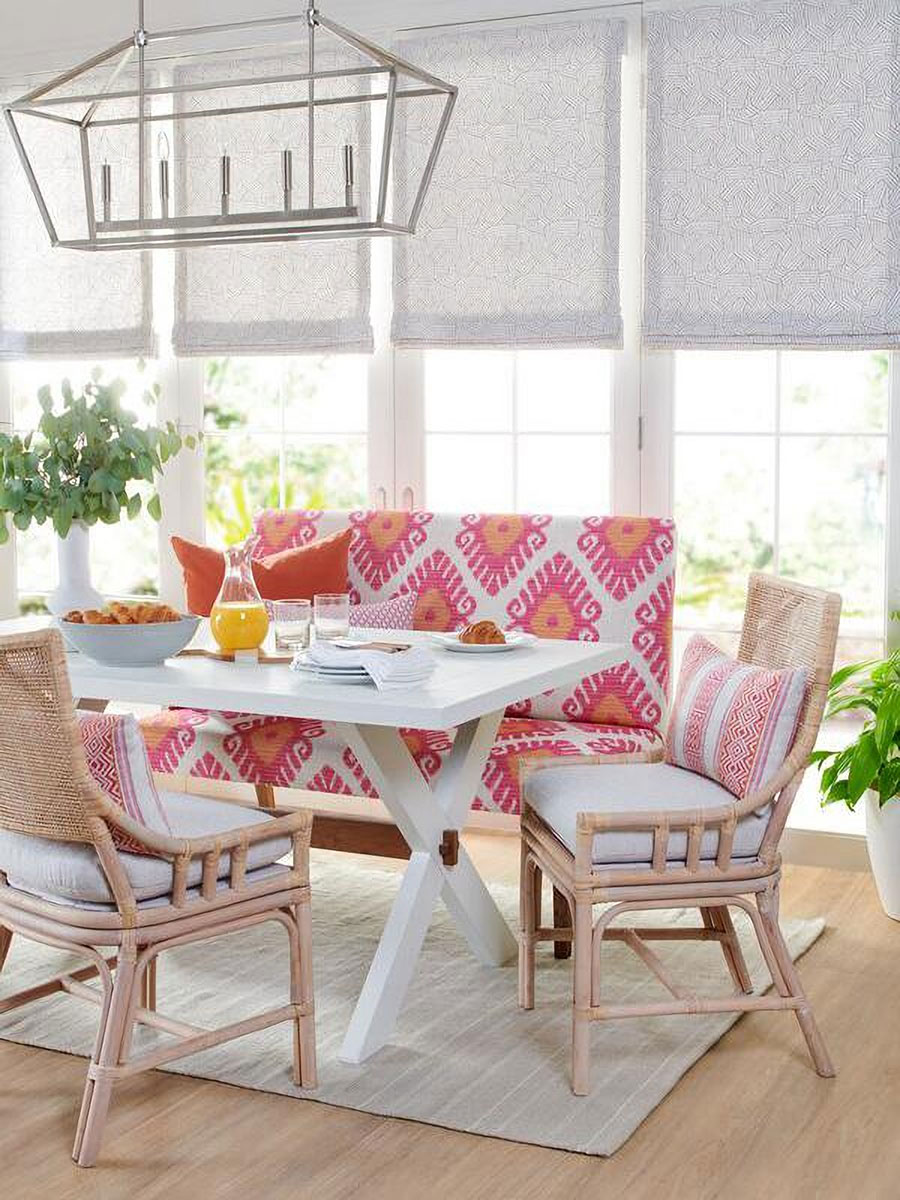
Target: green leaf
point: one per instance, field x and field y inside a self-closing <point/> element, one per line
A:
<point x="154" y="507"/>
<point x="133" y="507"/>
<point x="864" y="765"/>
<point x="887" y="719"/>
<point x="4" y="531"/>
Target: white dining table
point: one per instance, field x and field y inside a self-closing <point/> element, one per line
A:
<point x="467" y="692"/>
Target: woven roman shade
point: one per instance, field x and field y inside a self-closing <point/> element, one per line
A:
<point x="284" y="298"/>
<point x="65" y="303"/>
<point x="518" y="244"/>
<point x="773" y="171"/>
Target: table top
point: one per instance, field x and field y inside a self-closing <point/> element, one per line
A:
<point x="463" y="687"/>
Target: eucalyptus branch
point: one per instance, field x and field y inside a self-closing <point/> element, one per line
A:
<point x="79" y="463"/>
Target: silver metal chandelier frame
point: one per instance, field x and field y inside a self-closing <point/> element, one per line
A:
<point x="290" y="222"/>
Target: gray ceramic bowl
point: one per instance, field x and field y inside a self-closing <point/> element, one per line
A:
<point x="130" y="645"/>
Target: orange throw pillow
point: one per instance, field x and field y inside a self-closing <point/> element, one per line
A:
<point x="296" y="574"/>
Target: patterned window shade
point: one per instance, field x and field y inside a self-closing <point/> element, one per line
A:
<point x="311" y="297"/>
<point x="518" y="244"/>
<point x="65" y="303"/>
<point x="773" y="171"/>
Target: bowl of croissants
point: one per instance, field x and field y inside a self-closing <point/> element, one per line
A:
<point x="128" y="635"/>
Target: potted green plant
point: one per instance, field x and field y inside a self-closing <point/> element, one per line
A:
<point x="78" y="468"/>
<point x="868" y="768"/>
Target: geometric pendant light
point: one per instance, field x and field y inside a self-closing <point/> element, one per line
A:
<point x="263" y="130"/>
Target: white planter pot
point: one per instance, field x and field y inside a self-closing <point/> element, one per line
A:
<point x="74" y="590"/>
<point x="883" y="840"/>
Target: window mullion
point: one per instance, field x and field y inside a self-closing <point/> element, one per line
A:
<point x="776" y="514"/>
<point x="892" y="538"/>
<point x="9" y="606"/>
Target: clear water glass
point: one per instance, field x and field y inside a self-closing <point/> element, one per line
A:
<point x="332" y="616"/>
<point x="292" y="620"/>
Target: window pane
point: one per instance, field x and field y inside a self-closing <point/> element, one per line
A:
<point x="468" y="391"/>
<point x="562" y="474"/>
<point x="243" y="393"/>
<point x="724" y="510"/>
<point x="833" y="496"/>
<point x="326" y="395"/>
<point x="834" y="392"/>
<point x="124" y="556"/>
<point x="325" y="473"/>
<point x="722" y="392"/>
<point x="243" y="475"/>
<point x="37" y="572"/>
<point x="468" y="473"/>
<point x="564" y="390"/>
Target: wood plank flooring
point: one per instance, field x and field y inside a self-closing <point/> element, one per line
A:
<point x="750" y="1120"/>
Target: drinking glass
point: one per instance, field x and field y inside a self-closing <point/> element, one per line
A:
<point x="332" y="616"/>
<point x="292" y="619"/>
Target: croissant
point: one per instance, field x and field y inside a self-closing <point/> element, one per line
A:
<point x="482" y="633"/>
<point x="93" y="616"/>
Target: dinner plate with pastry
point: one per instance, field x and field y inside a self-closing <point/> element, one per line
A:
<point x="483" y="637"/>
<point x="128" y="635"/>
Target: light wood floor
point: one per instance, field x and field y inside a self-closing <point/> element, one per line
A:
<point x="750" y="1120"/>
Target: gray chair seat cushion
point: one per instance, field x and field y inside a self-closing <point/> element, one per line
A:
<point x="68" y="872"/>
<point x="559" y="794"/>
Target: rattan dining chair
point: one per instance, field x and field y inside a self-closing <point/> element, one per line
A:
<point x="55" y="824"/>
<point x="714" y="853"/>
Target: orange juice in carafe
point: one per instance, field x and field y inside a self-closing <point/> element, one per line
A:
<point x="239" y="626"/>
<point x="238" y="620"/>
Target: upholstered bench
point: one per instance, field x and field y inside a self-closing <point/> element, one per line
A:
<point x="604" y="578"/>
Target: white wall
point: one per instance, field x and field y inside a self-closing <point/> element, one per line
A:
<point x="56" y="33"/>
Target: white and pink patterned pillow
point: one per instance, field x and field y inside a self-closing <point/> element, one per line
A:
<point x="117" y="759"/>
<point x="395" y="613"/>
<point x="732" y="722"/>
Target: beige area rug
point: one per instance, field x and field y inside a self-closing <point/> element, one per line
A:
<point x="464" y="1056"/>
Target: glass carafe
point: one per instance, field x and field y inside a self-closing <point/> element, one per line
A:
<point x="238" y="620"/>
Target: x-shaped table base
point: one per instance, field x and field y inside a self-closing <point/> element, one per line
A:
<point x="422" y="814"/>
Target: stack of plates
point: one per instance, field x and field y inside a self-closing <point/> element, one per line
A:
<point x="331" y="674"/>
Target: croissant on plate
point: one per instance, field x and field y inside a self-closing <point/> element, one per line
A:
<point x="482" y="633"/>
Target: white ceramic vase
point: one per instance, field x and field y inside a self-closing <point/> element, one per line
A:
<point x="74" y="589"/>
<point x="883" y="841"/>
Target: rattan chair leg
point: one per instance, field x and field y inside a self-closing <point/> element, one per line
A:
<point x="98" y="1092"/>
<point x="719" y="919"/>
<point x="150" y="977"/>
<point x="305" y="1070"/>
<point x="583" y="986"/>
<point x="768" y="907"/>
<point x="562" y="919"/>
<point x="5" y="943"/>
<point x="530" y="881"/>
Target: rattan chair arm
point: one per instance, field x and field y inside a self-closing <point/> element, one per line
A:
<point x="646" y="820"/>
<point x="294" y="823"/>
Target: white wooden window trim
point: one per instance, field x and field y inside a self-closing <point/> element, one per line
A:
<point x="9" y="603"/>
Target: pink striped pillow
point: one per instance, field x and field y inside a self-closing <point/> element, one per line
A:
<point x="117" y="758"/>
<point x="732" y="722"/>
<point x="394" y="613"/>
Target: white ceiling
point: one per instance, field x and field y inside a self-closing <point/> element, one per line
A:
<point x="37" y="34"/>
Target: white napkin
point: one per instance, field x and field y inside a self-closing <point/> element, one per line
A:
<point x="402" y="669"/>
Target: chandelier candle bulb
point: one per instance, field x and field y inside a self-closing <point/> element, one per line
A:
<point x="225" y="175"/>
<point x="349" y="178"/>
<point x="106" y="191"/>
<point x="164" y="186"/>
<point x="287" y="178"/>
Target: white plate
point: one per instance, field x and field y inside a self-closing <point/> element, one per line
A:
<point x="334" y="676"/>
<point x="514" y="641"/>
<point x="331" y="669"/>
